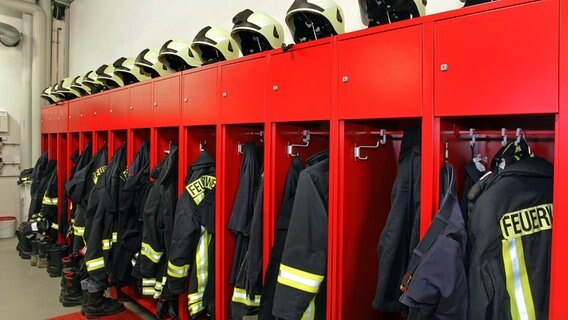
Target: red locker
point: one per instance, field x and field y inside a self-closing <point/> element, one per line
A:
<point x="99" y="112"/>
<point x="498" y="62"/>
<point x="75" y="115"/>
<point x="118" y="108"/>
<point x="62" y="117"/>
<point x="167" y="101"/>
<point x="199" y="97"/>
<point x="140" y="108"/>
<point x="381" y="74"/>
<point x="242" y="92"/>
<point x="299" y="85"/>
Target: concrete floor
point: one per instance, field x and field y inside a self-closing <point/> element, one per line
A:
<point x="29" y="293"/>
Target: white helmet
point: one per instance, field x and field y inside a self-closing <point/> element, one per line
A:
<point x="49" y="96"/>
<point x="64" y="90"/>
<point x="128" y="71"/>
<point x="79" y="85"/>
<point x="314" y="19"/>
<point x="148" y="61"/>
<point x="256" y="32"/>
<point x="377" y="12"/>
<point x="214" y="44"/>
<point x="91" y="80"/>
<point x="177" y="55"/>
<point x="106" y="75"/>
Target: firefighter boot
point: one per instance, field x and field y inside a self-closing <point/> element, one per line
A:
<point x="54" y="266"/>
<point x="72" y="294"/>
<point x="35" y="253"/>
<point x="24" y="247"/>
<point x="42" y="255"/>
<point x="98" y="305"/>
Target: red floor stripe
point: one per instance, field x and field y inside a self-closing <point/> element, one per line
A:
<point x="124" y="315"/>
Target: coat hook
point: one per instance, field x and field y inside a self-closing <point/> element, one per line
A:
<point x="240" y="148"/>
<point x="473" y="137"/>
<point x="202" y="145"/>
<point x="306" y="139"/>
<point x="381" y="141"/>
<point x="446" y="152"/>
<point x="504" y="136"/>
<point x="518" y="136"/>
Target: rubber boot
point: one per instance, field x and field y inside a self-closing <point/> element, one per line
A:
<point x="42" y="255"/>
<point x="85" y="302"/>
<point x="35" y="253"/>
<point x="98" y="305"/>
<point x="24" y="247"/>
<point x="54" y="266"/>
<point x="62" y="283"/>
<point x="72" y="294"/>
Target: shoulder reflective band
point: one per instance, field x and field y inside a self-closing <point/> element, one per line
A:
<point x="95" y="264"/>
<point x="106" y="244"/>
<point x="114" y="237"/>
<point x="49" y="201"/>
<point x="78" y="231"/>
<point x="299" y="279"/>
<point x="518" y="286"/>
<point x="54" y="226"/>
<point x="177" y="272"/>
<point x="150" y="253"/>
<point x="240" y="296"/>
<point x="310" y="313"/>
<point x="196" y="308"/>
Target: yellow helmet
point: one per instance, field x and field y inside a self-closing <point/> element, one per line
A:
<point x="148" y="62"/>
<point x="64" y="90"/>
<point x="49" y="96"/>
<point x="314" y="19"/>
<point x="177" y="55"/>
<point x="214" y="44"/>
<point x="106" y="75"/>
<point x="256" y="32"/>
<point x="128" y="71"/>
<point x="79" y="85"/>
<point x="91" y="79"/>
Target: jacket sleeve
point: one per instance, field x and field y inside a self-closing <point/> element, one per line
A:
<point x="49" y="207"/>
<point x="304" y="259"/>
<point x="153" y="247"/>
<point x="183" y="245"/>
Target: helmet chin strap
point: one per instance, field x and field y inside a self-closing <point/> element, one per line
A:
<point x="312" y="25"/>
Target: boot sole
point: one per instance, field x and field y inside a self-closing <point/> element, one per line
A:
<point x="90" y="315"/>
<point x="71" y="304"/>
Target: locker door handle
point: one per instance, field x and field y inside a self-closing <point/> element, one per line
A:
<point x="110" y="110"/>
<point x="345" y="79"/>
<point x="95" y="113"/>
<point x="275" y="88"/>
<point x="155" y="104"/>
<point x="225" y="94"/>
<point x="131" y="108"/>
<point x="444" y="67"/>
<point x="185" y="100"/>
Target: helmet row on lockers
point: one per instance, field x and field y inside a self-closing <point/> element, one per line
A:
<point x="252" y="32"/>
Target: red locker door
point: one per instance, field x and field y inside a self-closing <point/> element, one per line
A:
<point x="166" y="101"/>
<point x="74" y="116"/>
<point x="139" y="112"/>
<point x="300" y="85"/>
<point x="100" y="110"/>
<point x="62" y="117"/>
<point x="243" y="94"/>
<point x="199" y="98"/>
<point x="44" y="121"/>
<point x="86" y="110"/>
<point x="118" y="106"/>
<point x="483" y="65"/>
<point x="380" y="75"/>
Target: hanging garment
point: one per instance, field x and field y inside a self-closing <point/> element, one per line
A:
<point x="246" y="293"/>
<point x="79" y="189"/>
<point x="473" y="171"/>
<point x="129" y="224"/>
<point x="102" y="220"/>
<point x="509" y="232"/>
<point x="159" y="211"/>
<point x="44" y="222"/>
<point x="37" y="189"/>
<point x="300" y="291"/>
<point x="435" y="286"/>
<point x="401" y="232"/>
<point x="280" y="233"/>
<point x="193" y="248"/>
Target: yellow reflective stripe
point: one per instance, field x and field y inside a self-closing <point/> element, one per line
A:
<point x="150" y="253"/>
<point x="240" y="296"/>
<point x="114" y="237"/>
<point x="516" y="278"/>
<point x="202" y="260"/>
<point x="95" y="264"/>
<point x="148" y="282"/>
<point x="78" y="231"/>
<point x="148" y="291"/>
<point x="310" y="313"/>
<point x="54" y="226"/>
<point x="299" y="279"/>
<point x="106" y="244"/>
<point x="49" y="201"/>
<point x="196" y="308"/>
<point x="192" y="297"/>
<point x="177" y="272"/>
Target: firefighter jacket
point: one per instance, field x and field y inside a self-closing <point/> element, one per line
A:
<point x="159" y="211"/>
<point x="300" y="292"/>
<point x="79" y="189"/>
<point x="241" y="215"/>
<point x="246" y="294"/>
<point x="435" y="286"/>
<point x="37" y="189"/>
<point x="509" y="232"/>
<point x="129" y="226"/>
<point x="101" y="220"/>
<point x="192" y="248"/>
<point x="44" y="222"/>
<point x="281" y="231"/>
<point x="401" y="232"/>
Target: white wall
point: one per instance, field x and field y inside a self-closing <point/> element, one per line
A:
<point x="11" y="66"/>
<point x="104" y="30"/>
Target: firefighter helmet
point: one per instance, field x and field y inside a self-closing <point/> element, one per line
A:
<point x="214" y="44"/>
<point x="106" y="75"/>
<point x="314" y="19"/>
<point x="128" y="71"/>
<point x="177" y="55"/>
<point x="256" y="32"/>
<point x="148" y="61"/>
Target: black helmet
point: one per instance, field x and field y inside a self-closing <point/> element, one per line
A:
<point x="377" y="12"/>
<point x="214" y="45"/>
<point x="314" y="19"/>
<point x="256" y="32"/>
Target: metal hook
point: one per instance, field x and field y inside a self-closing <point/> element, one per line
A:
<point x="306" y="139"/>
<point x="446" y="150"/>
<point x="473" y="137"/>
<point x="202" y="145"/>
<point x="504" y="136"/>
<point x="381" y="141"/>
<point x="518" y="136"/>
<point x="240" y="147"/>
